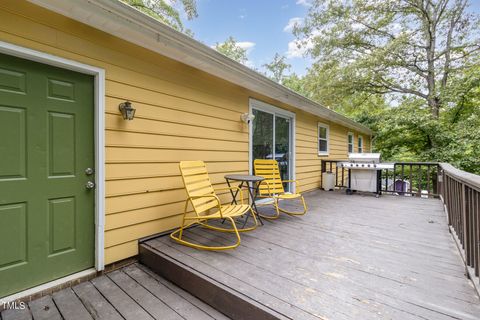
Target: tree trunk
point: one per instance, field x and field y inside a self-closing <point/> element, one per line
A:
<point x="430" y="23"/>
<point x="434" y="103"/>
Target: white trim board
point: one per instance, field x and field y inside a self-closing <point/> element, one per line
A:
<point x="263" y="106"/>
<point x="257" y="104"/>
<point x="99" y="105"/>
<point x="353" y="141"/>
<point x="360" y="137"/>
<point x="326" y="126"/>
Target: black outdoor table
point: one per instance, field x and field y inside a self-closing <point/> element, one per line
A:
<point x="250" y="181"/>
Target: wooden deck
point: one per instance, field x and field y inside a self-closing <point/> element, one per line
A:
<point x="134" y="292"/>
<point x="350" y="257"/>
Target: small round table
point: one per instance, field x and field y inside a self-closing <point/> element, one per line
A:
<point x="253" y="184"/>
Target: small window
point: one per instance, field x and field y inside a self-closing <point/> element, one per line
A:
<point x="323" y="135"/>
<point x="360" y="144"/>
<point x="350" y="142"/>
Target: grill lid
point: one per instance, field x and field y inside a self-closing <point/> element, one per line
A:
<point x="364" y="157"/>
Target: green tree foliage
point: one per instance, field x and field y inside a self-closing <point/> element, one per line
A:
<point x="231" y="49"/>
<point x="408" y="133"/>
<point x="411" y="47"/>
<point x="277" y="68"/>
<point x="166" y="11"/>
<point x="409" y="69"/>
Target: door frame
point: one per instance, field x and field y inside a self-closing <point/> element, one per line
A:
<point x="99" y="130"/>
<point x="266" y="107"/>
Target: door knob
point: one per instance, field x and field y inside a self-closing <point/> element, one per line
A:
<point x="90" y="185"/>
<point x="89" y="171"/>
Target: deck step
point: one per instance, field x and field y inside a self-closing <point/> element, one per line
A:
<point x="229" y="301"/>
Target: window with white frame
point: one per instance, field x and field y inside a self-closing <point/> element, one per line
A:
<point x="323" y="136"/>
<point x="360" y="144"/>
<point x="350" y="142"/>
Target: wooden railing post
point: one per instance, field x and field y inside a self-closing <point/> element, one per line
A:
<point x="465" y="222"/>
<point x="476" y="228"/>
<point x="439" y="182"/>
<point x="444" y="194"/>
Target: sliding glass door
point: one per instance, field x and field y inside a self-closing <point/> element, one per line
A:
<point x="272" y="139"/>
<point x="282" y="145"/>
<point x="262" y="140"/>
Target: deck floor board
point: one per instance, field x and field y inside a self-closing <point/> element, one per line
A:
<point x="350" y="257"/>
<point x="14" y="314"/>
<point x="44" y="309"/>
<point x="178" y="307"/>
<point x="70" y="305"/>
<point x="154" y="306"/>
<point x="187" y="305"/>
<point x="95" y="302"/>
<point x="124" y="304"/>
<point x="132" y="292"/>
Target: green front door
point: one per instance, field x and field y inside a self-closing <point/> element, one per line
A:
<point x="46" y="144"/>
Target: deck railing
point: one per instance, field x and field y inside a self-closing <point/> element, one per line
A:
<point x="458" y="190"/>
<point x="412" y="178"/>
<point x="406" y="178"/>
<point x="460" y="193"/>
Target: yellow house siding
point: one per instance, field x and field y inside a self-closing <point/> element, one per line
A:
<point x="182" y="114"/>
<point x="308" y="164"/>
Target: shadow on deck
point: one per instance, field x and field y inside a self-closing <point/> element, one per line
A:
<point x="350" y="257"/>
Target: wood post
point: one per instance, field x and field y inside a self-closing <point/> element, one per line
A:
<point x="464" y="222"/>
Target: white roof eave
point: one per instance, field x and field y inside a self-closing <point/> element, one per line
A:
<point x="127" y="23"/>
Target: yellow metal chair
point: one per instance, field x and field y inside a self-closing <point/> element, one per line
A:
<point x="272" y="187"/>
<point x="207" y="206"/>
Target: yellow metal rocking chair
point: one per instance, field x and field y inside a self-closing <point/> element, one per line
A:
<point x="207" y="206"/>
<point x="272" y="187"/>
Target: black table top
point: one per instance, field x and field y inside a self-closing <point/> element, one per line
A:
<point x="244" y="177"/>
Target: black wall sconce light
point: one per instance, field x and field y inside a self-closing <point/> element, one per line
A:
<point x="128" y="112"/>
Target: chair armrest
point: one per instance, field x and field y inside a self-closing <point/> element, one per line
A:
<point x="268" y="187"/>
<point x="233" y="188"/>
<point x="219" y="205"/>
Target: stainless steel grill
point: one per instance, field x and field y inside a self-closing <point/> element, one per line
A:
<point x="364" y="172"/>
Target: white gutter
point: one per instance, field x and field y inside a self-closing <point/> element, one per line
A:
<point x="127" y="23"/>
